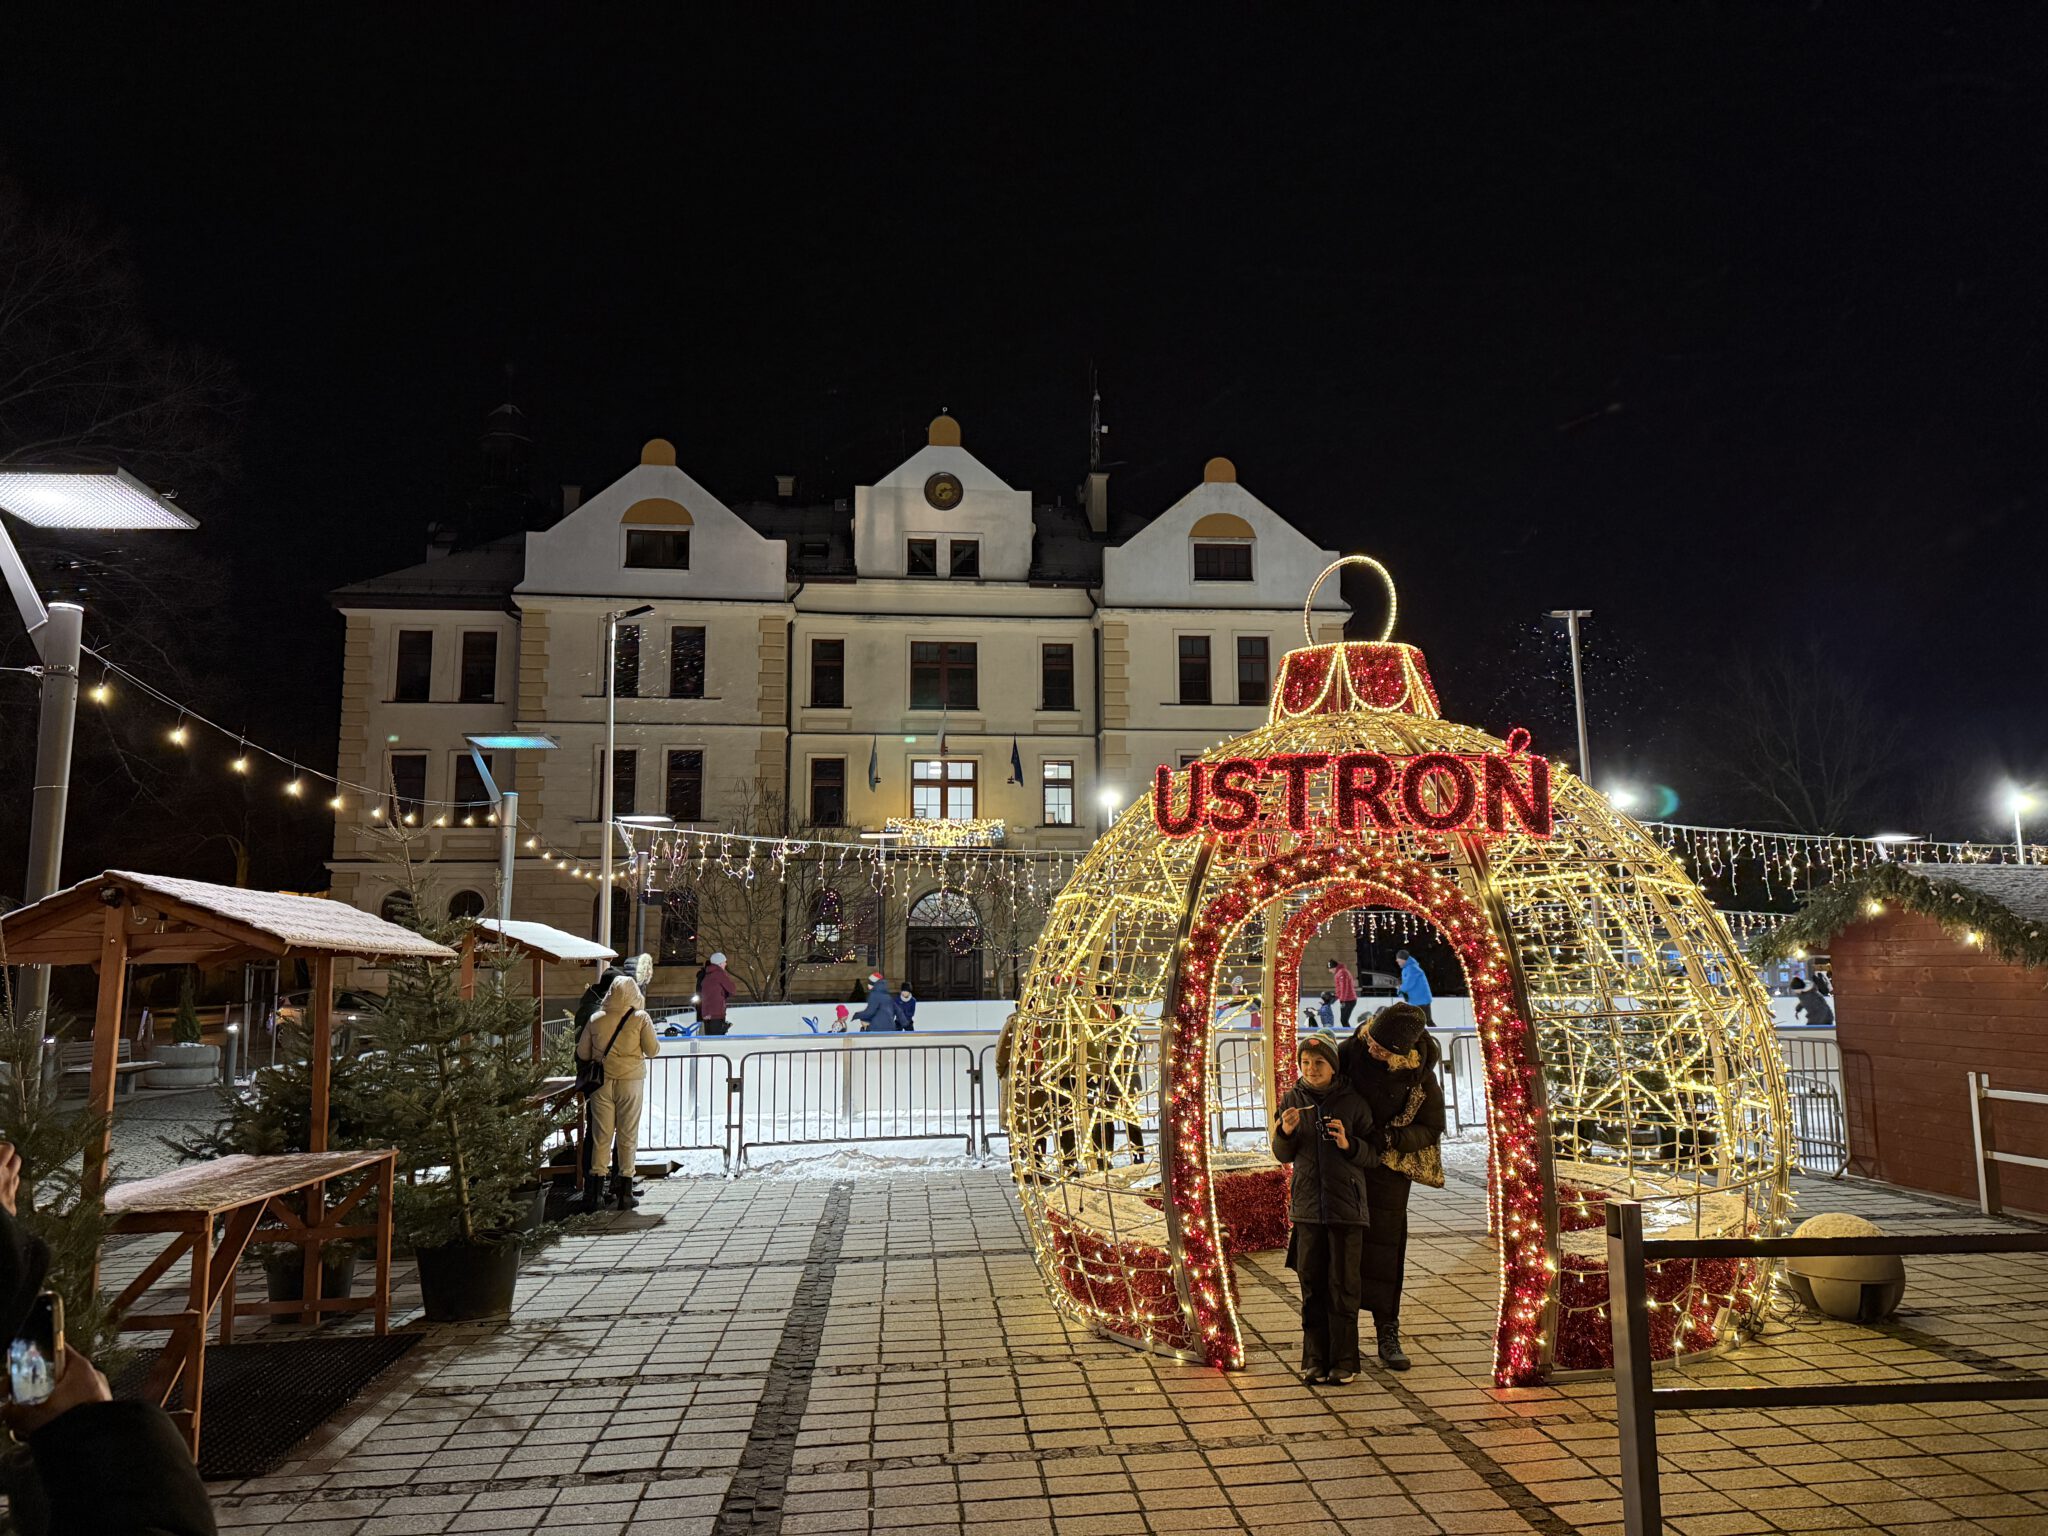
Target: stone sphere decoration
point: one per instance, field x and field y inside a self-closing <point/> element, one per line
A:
<point x="1627" y="1046"/>
<point x="1860" y="1289"/>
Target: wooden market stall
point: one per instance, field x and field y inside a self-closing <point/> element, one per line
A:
<point x="1940" y="971"/>
<point x="121" y="919"/>
<point x="537" y="942"/>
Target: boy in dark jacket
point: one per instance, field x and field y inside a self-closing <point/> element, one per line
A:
<point x="1324" y="1131"/>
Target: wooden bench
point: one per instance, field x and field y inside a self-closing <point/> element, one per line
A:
<point x="74" y="1060"/>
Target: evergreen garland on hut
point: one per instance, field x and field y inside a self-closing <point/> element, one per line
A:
<point x="1964" y="901"/>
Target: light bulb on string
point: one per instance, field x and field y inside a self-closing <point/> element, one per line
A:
<point x="102" y="691"/>
<point x="241" y="762"/>
<point x="178" y="734"/>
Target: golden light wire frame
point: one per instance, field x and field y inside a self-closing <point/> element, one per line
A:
<point x="1627" y="1046"/>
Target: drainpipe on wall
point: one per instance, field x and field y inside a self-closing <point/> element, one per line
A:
<point x="788" y="778"/>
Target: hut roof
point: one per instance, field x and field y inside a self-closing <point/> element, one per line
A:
<point x="546" y="942"/>
<point x="2004" y="905"/>
<point x="182" y="921"/>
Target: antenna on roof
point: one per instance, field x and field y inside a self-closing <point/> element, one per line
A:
<point x="1095" y="426"/>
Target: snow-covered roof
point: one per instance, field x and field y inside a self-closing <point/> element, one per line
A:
<point x="548" y="943"/>
<point x="312" y="924"/>
<point x="2022" y="889"/>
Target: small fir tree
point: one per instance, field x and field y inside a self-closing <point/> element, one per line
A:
<point x="185" y="1027"/>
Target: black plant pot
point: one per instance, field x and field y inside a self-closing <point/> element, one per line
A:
<point x="533" y="1210"/>
<point x="460" y="1282"/>
<point x="284" y="1273"/>
<point x="561" y="1200"/>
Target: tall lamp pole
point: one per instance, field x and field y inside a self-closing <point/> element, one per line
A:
<point x="1571" y="617"/>
<point x="97" y="500"/>
<point x="611" y="736"/>
<point x="505" y="801"/>
<point x="2019" y="802"/>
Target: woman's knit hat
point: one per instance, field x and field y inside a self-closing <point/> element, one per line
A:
<point x="1398" y="1029"/>
<point x="1317" y="1045"/>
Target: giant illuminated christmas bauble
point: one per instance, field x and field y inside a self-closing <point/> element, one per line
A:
<point x="1628" y="1049"/>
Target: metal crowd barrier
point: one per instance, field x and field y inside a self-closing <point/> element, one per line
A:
<point x="686" y="1106"/>
<point x="854" y="1093"/>
<point x="1637" y="1402"/>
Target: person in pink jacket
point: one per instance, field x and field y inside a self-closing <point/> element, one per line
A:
<point x="1345" y="985"/>
<point x="715" y="988"/>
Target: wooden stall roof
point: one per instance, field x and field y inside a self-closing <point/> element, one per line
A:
<point x="544" y="943"/>
<point x="179" y="922"/>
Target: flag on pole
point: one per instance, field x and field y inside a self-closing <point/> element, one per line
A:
<point x="1016" y="763"/>
<point x="874" y="768"/>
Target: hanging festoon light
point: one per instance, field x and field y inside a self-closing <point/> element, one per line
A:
<point x="1357" y="795"/>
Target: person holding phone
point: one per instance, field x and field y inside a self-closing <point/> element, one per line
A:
<point x="1324" y="1133"/>
<point x="100" y="1468"/>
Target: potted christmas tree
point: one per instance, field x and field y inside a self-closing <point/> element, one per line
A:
<point x="454" y="1085"/>
<point x="186" y="1062"/>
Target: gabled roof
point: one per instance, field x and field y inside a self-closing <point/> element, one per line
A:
<point x="546" y="942"/>
<point x="174" y="921"/>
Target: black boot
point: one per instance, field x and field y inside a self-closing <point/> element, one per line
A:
<point x="622" y="1192"/>
<point x="593" y="1194"/>
<point x="1392" y="1356"/>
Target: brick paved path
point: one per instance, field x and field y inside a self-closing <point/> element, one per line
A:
<point x="774" y="1355"/>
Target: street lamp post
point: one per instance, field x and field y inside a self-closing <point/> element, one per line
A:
<point x="100" y="500"/>
<point x="611" y="736"/>
<point x="505" y="801"/>
<point x="2019" y="802"/>
<point x="1571" y="617"/>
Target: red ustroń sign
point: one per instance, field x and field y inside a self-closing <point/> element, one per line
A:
<point x="1434" y="791"/>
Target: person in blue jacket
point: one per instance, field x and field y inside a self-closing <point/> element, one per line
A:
<point x="1414" y="985"/>
<point x="883" y="1014"/>
<point x="906" y="1008"/>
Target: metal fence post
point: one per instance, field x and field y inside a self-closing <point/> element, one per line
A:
<point x="1642" y="1504"/>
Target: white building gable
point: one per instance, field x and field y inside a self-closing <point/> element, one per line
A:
<point x="626" y="542"/>
<point x="943" y="493"/>
<point x="1157" y="566"/>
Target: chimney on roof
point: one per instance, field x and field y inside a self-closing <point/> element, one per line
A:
<point x="1095" y="497"/>
<point x="440" y="540"/>
<point x="572" y="498"/>
<point x="785" y="486"/>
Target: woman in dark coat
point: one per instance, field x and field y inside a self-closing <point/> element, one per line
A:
<point x="1324" y="1132"/>
<point x="1386" y="1060"/>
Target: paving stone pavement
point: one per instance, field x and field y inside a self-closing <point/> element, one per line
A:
<point x="875" y="1354"/>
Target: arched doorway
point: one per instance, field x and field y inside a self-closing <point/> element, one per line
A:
<point x="943" y="958"/>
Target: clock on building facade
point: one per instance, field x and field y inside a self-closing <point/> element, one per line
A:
<point x="943" y="491"/>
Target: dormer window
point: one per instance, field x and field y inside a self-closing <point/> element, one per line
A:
<point x="657" y="535"/>
<point x="921" y="557"/>
<point x="1222" y="548"/>
<point x="965" y="555"/>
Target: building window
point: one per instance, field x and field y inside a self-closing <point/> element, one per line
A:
<point x="941" y="675"/>
<point x="414" y="683"/>
<point x="1194" y="669"/>
<point x="657" y="549"/>
<point x="828" y="674"/>
<point x="465" y="904"/>
<point x="1223" y="562"/>
<point x="408" y="787"/>
<point x="626" y="663"/>
<point x="1254" y="675"/>
<point x="921" y="557"/>
<point x="625" y="783"/>
<point x="825" y="928"/>
<point x="679" y="928"/>
<point x="479" y="666"/>
<point x="622" y="917"/>
<point x="965" y="555"/>
<point x="472" y="800"/>
<point x="828" y="791"/>
<point x="1058" y="783"/>
<point x="1056" y="677"/>
<point x="686" y="662"/>
<point x="942" y="790"/>
<point x="686" y="786"/>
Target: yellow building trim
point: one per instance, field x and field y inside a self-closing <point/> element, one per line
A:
<point x="658" y="512"/>
<point x="1221" y="525"/>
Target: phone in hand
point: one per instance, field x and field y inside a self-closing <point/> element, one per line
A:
<point x="35" y="1357"/>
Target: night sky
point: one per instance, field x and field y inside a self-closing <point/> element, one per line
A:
<point x="1726" y="322"/>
